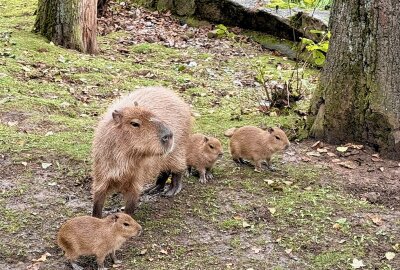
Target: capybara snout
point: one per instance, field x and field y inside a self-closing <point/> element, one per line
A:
<point x="166" y="137"/>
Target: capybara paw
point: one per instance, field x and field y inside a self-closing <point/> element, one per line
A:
<point x="203" y="180"/>
<point x="153" y="190"/>
<point x="172" y="191"/>
<point x="259" y="170"/>
<point x="209" y="176"/>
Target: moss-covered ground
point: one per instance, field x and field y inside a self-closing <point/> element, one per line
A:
<point x="50" y="101"/>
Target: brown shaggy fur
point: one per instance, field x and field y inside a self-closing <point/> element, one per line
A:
<point x="87" y="235"/>
<point x="128" y="147"/>
<point x="255" y="144"/>
<point x="202" y="153"/>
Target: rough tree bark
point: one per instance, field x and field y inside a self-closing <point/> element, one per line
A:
<point x="71" y="24"/>
<point x="358" y="98"/>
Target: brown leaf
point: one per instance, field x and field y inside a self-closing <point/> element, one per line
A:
<point x="348" y="164"/>
<point x="376" y="219"/>
<point x="313" y="153"/>
<point x="316" y="144"/>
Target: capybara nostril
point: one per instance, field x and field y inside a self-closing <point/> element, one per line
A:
<point x="166" y="135"/>
<point x="220" y="155"/>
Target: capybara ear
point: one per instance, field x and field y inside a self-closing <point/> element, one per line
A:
<point x="135" y="103"/>
<point x="117" y="116"/>
<point x="114" y="217"/>
<point x="206" y="139"/>
<point x="270" y="130"/>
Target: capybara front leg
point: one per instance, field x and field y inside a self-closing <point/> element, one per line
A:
<point x="176" y="185"/>
<point x="203" y="178"/>
<point x="160" y="184"/>
<point x="98" y="203"/>
<point x="114" y="258"/>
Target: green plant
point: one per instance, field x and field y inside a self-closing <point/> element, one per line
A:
<point x="222" y="31"/>
<point x="319" y="49"/>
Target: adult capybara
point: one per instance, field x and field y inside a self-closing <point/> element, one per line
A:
<point x="202" y="153"/>
<point x="255" y="144"/>
<point x="141" y="135"/>
<point x="87" y="235"/>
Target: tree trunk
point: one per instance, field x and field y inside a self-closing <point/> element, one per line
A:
<point x="358" y="98"/>
<point x="71" y="24"/>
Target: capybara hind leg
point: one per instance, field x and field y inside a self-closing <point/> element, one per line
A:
<point x="98" y="203"/>
<point x="269" y="165"/>
<point x="160" y="184"/>
<point x="131" y="199"/>
<point x="176" y="185"/>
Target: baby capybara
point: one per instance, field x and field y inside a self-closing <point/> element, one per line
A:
<point x="87" y="235"/>
<point x="141" y="135"/>
<point x="253" y="143"/>
<point x="202" y="153"/>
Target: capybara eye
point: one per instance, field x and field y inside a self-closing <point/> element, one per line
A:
<point x="277" y="138"/>
<point x="211" y="146"/>
<point x="126" y="224"/>
<point x="135" y="124"/>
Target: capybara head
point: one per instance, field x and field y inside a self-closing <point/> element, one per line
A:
<point x="279" y="139"/>
<point x="124" y="225"/>
<point x="142" y="132"/>
<point x="212" y="147"/>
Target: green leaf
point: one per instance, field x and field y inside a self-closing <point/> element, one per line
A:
<point x="307" y="41"/>
<point x="319" y="57"/>
<point x="317" y="32"/>
<point x="324" y="46"/>
<point x="222" y="27"/>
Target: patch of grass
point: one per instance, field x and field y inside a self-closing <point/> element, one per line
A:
<point x="231" y="224"/>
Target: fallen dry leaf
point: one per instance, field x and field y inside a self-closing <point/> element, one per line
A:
<point x="322" y="150"/>
<point x="316" y="144"/>
<point x="313" y="153"/>
<point x="163" y="251"/>
<point x="256" y="249"/>
<point x="43" y="258"/>
<point x="331" y="154"/>
<point x="377" y="220"/>
<point x="356" y="264"/>
<point x="245" y="224"/>
<point x="46" y="165"/>
<point x="341" y="149"/>
<point x="272" y="210"/>
<point x="390" y="255"/>
<point x="348" y="164"/>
